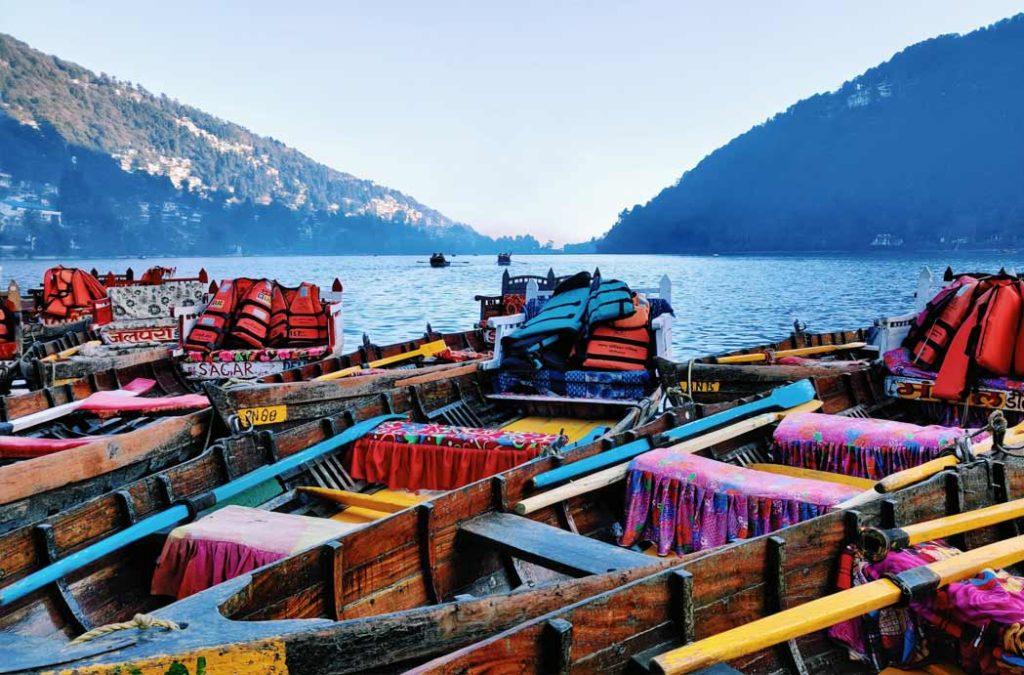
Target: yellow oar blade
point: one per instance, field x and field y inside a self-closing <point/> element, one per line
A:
<point x="429" y="349"/>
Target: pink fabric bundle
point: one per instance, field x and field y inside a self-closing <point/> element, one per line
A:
<point x="417" y="456"/>
<point x="233" y="541"/>
<point x="27" y="447"/>
<point x="105" y="403"/>
<point x="980" y="620"/>
<point x="688" y="503"/>
<point x="868" y="448"/>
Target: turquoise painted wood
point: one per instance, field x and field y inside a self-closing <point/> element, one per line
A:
<point x="179" y="513"/>
<point x="786" y="396"/>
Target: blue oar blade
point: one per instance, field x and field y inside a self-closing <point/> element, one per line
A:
<point x="781" y="398"/>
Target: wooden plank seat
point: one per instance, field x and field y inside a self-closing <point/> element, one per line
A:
<point x="549" y="546"/>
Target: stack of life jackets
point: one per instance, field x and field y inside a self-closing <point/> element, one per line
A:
<point x="580" y="306"/>
<point x="259" y="313"/>
<point x="70" y="293"/>
<point x="971" y="326"/>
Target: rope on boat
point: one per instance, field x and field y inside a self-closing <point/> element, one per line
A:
<point x="140" y="621"/>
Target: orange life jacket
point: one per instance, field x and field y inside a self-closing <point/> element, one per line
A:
<point x="304" y="319"/>
<point x="987" y="338"/>
<point x="940" y="321"/>
<point x="212" y="325"/>
<point x="997" y="335"/>
<point x="623" y="344"/>
<point x="69" y="293"/>
<point x="252" y="321"/>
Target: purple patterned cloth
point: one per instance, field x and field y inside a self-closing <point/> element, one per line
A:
<point x="688" y="503"/>
<point x="868" y="448"/>
<point x="898" y="362"/>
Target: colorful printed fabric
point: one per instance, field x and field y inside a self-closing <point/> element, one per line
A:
<point x="544" y="382"/>
<point x="627" y="385"/>
<point x="412" y="456"/>
<point x="400" y="431"/>
<point x="898" y="362"/>
<point x="979" y="622"/>
<point x="153" y="302"/>
<point x="592" y="384"/>
<point x="259" y="355"/>
<point x="868" y="448"/>
<point x="233" y="541"/>
<point x="688" y="503"/>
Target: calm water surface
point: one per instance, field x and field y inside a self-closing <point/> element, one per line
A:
<point x="720" y="302"/>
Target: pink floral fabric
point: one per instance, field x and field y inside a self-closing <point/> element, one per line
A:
<point x="685" y="502"/>
<point x="400" y="431"/>
<point x="259" y="355"/>
<point x="868" y="448"/>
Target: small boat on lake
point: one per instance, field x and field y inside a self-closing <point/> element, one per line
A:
<point x="504" y="259"/>
<point x="438" y="260"/>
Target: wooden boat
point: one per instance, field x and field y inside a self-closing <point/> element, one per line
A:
<point x="117" y="585"/>
<point x="831" y="359"/>
<point x="465" y="566"/>
<point x="438" y="260"/>
<point x="504" y="259"/>
<point x="56" y="451"/>
<point x="324" y="387"/>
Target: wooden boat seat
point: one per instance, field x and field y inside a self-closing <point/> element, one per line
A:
<point x="798" y="472"/>
<point x="549" y="546"/>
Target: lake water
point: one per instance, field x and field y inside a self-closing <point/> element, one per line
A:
<point x="720" y="302"/>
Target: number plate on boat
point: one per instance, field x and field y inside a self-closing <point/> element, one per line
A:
<point x="270" y="414"/>
<point x="702" y="387"/>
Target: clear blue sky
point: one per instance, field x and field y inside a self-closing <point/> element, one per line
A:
<point x="540" y="117"/>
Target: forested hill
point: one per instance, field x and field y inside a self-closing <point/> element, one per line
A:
<point x="93" y="164"/>
<point x="923" y="151"/>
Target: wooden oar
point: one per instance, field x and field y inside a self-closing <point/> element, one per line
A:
<point x="136" y="387"/>
<point x="832" y="609"/>
<point x="71" y="351"/>
<point x="877" y="543"/>
<point x="916" y="474"/>
<point x="757" y="357"/>
<point x="596" y="481"/>
<point x="429" y="349"/>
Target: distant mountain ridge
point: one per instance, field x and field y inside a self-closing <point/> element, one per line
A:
<point x="125" y="169"/>
<point x="925" y="151"/>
